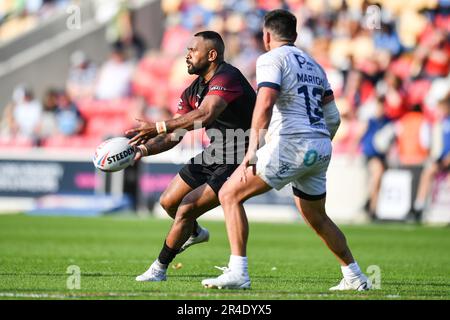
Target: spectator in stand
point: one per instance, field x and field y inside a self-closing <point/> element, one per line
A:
<point x="246" y="59"/>
<point x="26" y="114"/>
<point x="175" y="37"/>
<point x="387" y="39"/>
<point x="68" y="117"/>
<point x="395" y="96"/>
<point x="158" y="111"/>
<point x="82" y="76"/>
<point x="437" y="62"/>
<point x="438" y="90"/>
<point x="439" y="160"/>
<point x="195" y="15"/>
<point x="114" y="79"/>
<point x="20" y="16"/>
<point x="374" y="151"/>
<point x="346" y="140"/>
<point x="48" y="125"/>
<point x="352" y="90"/>
<point x="7" y="121"/>
<point x="412" y="132"/>
<point x="120" y="29"/>
<point x="412" y="138"/>
<point x="16" y="20"/>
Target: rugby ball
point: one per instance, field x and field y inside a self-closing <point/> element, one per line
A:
<point x="113" y="155"/>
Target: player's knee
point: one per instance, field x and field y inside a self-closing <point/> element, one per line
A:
<point x="168" y="205"/>
<point x="185" y="212"/>
<point x="226" y="195"/>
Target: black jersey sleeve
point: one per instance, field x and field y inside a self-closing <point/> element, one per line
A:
<point x="184" y="105"/>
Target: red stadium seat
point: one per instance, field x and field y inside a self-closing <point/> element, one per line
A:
<point x="175" y="94"/>
<point x="443" y="22"/>
<point x="175" y="40"/>
<point x="401" y="67"/>
<point x="158" y="66"/>
<point x="149" y="86"/>
<point x="84" y="142"/>
<point x="15" y="143"/>
<point x="101" y="126"/>
<point x="417" y="91"/>
<point x="72" y="142"/>
<point x="57" y="141"/>
<point x="91" y="108"/>
<point x="95" y="126"/>
<point x="106" y="118"/>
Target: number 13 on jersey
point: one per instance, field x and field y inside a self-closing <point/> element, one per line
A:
<point x="313" y="110"/>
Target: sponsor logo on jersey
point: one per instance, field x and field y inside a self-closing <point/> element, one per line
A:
<point x="310" y="158"/>
<point x="217" y="88"/>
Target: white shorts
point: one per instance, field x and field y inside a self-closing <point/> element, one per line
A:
<point x="298" y="160"/>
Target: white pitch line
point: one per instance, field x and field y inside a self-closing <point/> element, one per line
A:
<point x="65" y="296"/>
<point x="74" y="295"/>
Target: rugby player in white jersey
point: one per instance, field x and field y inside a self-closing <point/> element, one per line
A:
<point x="296" y="104"/>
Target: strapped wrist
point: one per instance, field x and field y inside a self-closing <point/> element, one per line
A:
<point x="143" y="149"/>
<point x="161" y="127"/>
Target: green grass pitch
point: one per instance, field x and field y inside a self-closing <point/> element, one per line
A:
<point x="286" y="261"/>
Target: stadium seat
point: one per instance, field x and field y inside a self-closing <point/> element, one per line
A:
<point x="91" y="108"/>
<point x="417" y="91"/>
<point x="401" y="67"/>
<point x="15" y="143"/>
<point x="72" y="142"/>
<point x="102" y="126"/>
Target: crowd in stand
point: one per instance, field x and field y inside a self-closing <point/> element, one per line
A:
<point x="388" y="63"/>
<point x="19" y="16"/>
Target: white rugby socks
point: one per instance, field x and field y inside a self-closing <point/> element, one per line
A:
<point x="238" y="264"/>
<point x="351" y="272"/>
<point x="159" y="265"/>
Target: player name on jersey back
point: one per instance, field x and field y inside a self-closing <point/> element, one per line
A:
<point x="310" y="79"/>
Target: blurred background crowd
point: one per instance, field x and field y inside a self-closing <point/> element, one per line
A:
<point x="388" y="63"/>
<point x="19" y="16"/>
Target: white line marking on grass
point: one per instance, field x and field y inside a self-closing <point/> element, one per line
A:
<point x="66" y="296"/>
<point x="215" y="294"/>
<point x="31" y="295"/>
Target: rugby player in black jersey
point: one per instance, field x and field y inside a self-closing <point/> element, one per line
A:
<point x="222" y="101"/>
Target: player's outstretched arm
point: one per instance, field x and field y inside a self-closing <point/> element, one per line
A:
<point x="211" y="107"/>
<point x="158" y="144"/>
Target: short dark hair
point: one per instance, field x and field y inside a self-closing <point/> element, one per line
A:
<point x="215" y="39"/>
<point x="282" y="23"/>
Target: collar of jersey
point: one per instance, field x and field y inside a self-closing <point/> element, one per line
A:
<point x="202" y="81"/>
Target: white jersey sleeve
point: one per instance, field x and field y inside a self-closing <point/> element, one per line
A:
<point x="268" y="72"/>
